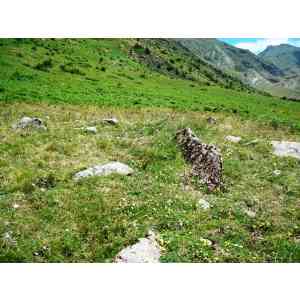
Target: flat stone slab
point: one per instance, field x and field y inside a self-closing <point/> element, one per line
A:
<point x="233" y="139"/>
<point x="27" y="122"/>
<point x="146" y="250"/>
<point x="282" y="148"/>
<point x="104" y="170"/>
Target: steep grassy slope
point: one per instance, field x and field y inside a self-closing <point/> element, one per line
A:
<point x="47" y="217"/>
<point x="59" y="69"/>
<point x="106" y="72"/>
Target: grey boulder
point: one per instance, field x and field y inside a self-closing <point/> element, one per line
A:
<point x="104" y="170"/>
<point x="282" y="148"/>
<point x="27" y="122"/>
<point x="146" y="250"/>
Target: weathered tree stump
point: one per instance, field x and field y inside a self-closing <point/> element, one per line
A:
<point x="205" y="159"/>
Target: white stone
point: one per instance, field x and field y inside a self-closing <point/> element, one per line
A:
<point x="282" y="148"/>
<point x="250" y="213"/>
<point x="146" y="250"/>
<point x="16" y="205"/>
<point x="204" y="204"/>
<point x="91" y="130"/>
<point x="233" y="139"/>
<point x="276" y="172"/>
<point x="105" y="169"/>
<point x="29" y="122"/>
<point x="113" y="121"/>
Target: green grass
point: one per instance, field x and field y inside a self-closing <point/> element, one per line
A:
<point x="73" y="83"/>
<point x="101" y="72"/>
<point x="59" y="220"/>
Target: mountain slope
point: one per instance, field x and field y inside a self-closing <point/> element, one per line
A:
<point x="239" y="62"/>
<point x="287" y="59"/>
<point x="261" y="73"/>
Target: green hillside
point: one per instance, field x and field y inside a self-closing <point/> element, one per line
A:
<point x="118" y="72"/>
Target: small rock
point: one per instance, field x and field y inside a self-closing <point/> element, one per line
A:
<point x="283" y="148"/>
<point x="27" y="122"/>
<point x="105" y="169"/>
<point x="112" y="121"/>
<point x="233" y="139"/>
<point x="250" y="213"/>
<point x="16" y="206"/>
<point x="146" y="250"/>
<point x="276" y="172"/>
<point x="91" y="130"/>
<point x="211" y="120"/>
<point x="204" y="204"/>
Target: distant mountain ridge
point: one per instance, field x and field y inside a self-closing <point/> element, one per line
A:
<point x="276" y="70"/>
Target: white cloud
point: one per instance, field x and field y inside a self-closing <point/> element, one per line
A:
<point x="262" y="44"/>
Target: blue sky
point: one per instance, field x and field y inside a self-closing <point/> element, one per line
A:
<point x="257" y="45"/>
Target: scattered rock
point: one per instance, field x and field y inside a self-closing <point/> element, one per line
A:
<point x="249" y="213"/>
<point x="15" y="206"/>
<point x="233" y="139"/>
<point x="206" y="159"/>
<point x="283" y="148"/>
<point x="112" y="121"/>
<point x="211" y="120"/>
<point x="27" y="122"/>
<point x="146" y="250"/>
<point x="91" y="130"/>
<point x="204" y="204"/>
<point x="105" y="169"/>
<point x="276" y="172"/>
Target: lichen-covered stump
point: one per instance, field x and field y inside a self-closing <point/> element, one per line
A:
<point x="205" y="159"/>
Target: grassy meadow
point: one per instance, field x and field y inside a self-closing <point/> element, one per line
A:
<point x="47" y="217"/>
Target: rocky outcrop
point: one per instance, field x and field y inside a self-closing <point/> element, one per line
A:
<point x="205" y="159"/>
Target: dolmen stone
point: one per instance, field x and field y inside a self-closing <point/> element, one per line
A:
<point x="104" y="170"/>
<point x="282" y="148"/>
<point x="27" y="122"/>
<point x="146" y="250"/>
<point x="205" y="159"/>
